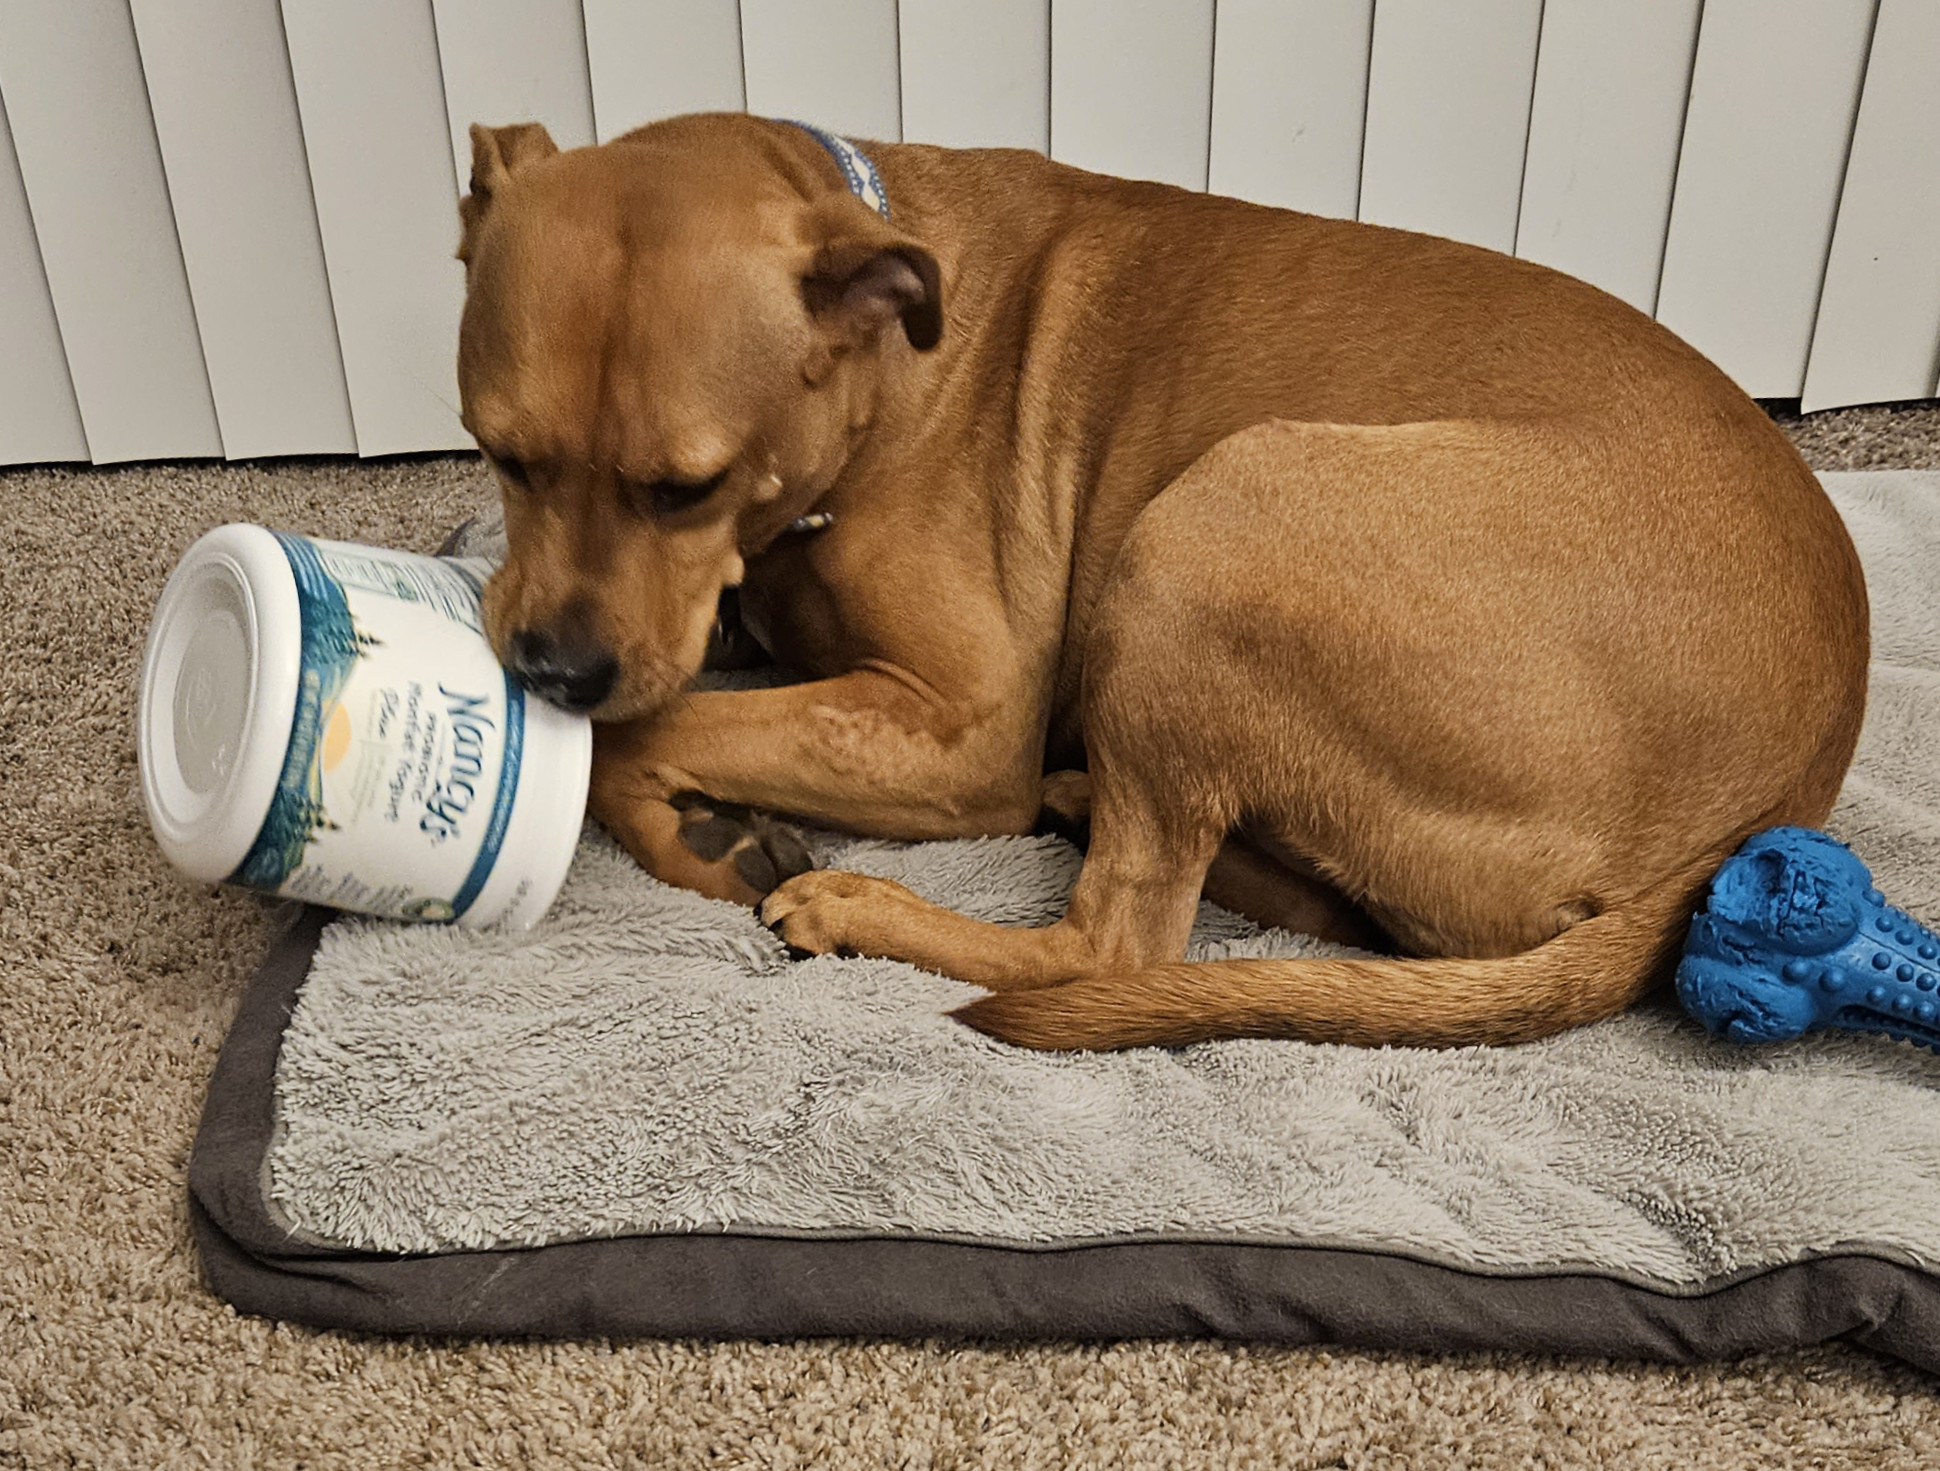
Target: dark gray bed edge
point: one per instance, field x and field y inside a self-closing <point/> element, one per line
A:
<point x="738" y="1286"/>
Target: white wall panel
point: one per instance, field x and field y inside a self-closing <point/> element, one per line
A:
<point x="1131" y="88"/>
<point x="1288" y="101"/>
<point x="976" y="75"/>
<point x="225" y="116"/>
<point x="379" y="145"/>
<point x="1448" y="116"/>
<point x="513" y="61"/>
<point x="1603" y="136"/>
<point x="656" y="58"/>
<point x="830" y="62"/>
<point x="1878" y="332"/>
<point x="72" y="79"/>
<point x="1772" y="101"/>
<point x="39" y="419"/>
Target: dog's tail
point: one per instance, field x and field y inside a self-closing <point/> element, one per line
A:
<point x="1590" y="971"/>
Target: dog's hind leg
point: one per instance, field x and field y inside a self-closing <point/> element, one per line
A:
<point x="1243" y="878"/>
<point x="1251" y="882"/>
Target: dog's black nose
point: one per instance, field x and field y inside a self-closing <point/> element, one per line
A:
<point x="575" y="675"/>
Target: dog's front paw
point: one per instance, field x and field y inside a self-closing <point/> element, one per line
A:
<point x="835" y="913"/>
<point x="760" y="852"/>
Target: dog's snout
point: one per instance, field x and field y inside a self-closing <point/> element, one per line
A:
<point x="575" y="674"/>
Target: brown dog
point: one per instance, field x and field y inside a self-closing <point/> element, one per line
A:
<point x="1372" y="576"/>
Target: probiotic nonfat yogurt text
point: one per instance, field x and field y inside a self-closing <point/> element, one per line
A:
<point x="327" y="721"/>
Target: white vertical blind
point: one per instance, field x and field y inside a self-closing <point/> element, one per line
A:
<point x="227" y="226"/>
<point x="1448" y="116"/>
<point x="1289" y="97"/>
<point x="1878" y="330"/>
<point x="1765" y="135"/>
<point x="379" y="146"/>
<point x="225" y="114"/>
<point x="830" y="62"/>
<point x="976" y="75"/>
<point x="1603" y="137"/>
<point x="71" y="75"/>
<point x="1131" y="88"/>
<point x="513" y="61"/>
<point x="39" y="419"/>
<point x="651" y="59"/>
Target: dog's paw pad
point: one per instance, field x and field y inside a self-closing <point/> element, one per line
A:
<point x="762" y="852"/>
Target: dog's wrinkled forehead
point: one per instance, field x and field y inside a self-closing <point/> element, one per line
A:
<point x="638" y="296"/>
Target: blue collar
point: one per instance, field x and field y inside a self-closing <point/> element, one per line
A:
<point x="864" y="182"/>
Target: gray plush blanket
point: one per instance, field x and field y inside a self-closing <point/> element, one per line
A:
<point x="647" y="1061"/>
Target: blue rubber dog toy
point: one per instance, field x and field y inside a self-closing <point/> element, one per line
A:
<point x="1794" y="936"/>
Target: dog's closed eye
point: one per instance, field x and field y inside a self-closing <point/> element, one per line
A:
<point x="512" y="470"/>
<point x="670" y="497"/>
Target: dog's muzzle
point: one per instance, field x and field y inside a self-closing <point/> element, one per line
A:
<point x="574" y="674"/>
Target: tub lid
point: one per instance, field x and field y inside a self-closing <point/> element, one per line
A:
<point x="218" y="695"/>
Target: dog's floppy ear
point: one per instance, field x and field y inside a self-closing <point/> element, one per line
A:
<point x="497" y="154"/>
<point x="865" y="275"/>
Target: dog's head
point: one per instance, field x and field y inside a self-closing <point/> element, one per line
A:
<point x="667" y="340"/>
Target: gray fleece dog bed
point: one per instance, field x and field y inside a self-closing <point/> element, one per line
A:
<point x="642" y="1118"/>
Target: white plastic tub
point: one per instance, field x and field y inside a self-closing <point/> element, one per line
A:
<point x="327" y="722"/>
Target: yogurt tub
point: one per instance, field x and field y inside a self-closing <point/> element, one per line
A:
<point x="327" y="722"/>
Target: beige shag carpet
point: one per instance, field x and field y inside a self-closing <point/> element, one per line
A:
<point x="117" y="981"/>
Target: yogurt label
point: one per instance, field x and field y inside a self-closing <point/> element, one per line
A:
<point x="398" y="785"/>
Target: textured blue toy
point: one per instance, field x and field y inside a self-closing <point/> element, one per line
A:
<point x="1794" y="936"/>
